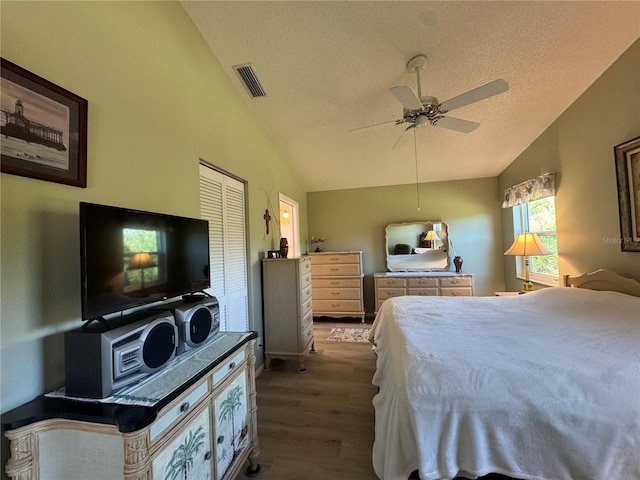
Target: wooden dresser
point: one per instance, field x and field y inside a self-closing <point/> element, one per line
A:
<point x="396" y="284"/>
<point x="288" y="317"/>
<point x="196" y="416"/>
<point x="337" y="284"/>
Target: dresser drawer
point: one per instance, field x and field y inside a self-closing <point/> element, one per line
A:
<point x="338" y="270"/>
<point x="224" y="369"/>
<point x="307" y="320"/>
<point x="336" y="293"/>
<point x="306" y="338"/>
<point x="455" y="281"/>
<point x="424" y="292"/>
<point x="177" y="410"/>
<point x="305" y="265"/>
<point x="390" y="282"/>
<point x="305" y="280"/>
<point x="421" y="282"/>
<point x="320" y="306"/>
<point x="384" y="293"/>
<point x="305" y="294"/>
<point x="337" y="283"/>
<point x="330" y="259"/>
<point x="456" y="292"/>
<point x="306" y="307"/>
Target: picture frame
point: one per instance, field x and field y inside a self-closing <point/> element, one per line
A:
<point x="627" y="158"/>
<point x="43" y="128"/>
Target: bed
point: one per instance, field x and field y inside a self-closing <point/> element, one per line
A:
<point x="541" y="386"/>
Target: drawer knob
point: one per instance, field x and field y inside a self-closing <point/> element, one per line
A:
<point x="336" y="294"/>
<point x="232" y="365"/>
<point x="184" y="407"/>
<point x="220" y="439"/>
<point x="207" y="456"/>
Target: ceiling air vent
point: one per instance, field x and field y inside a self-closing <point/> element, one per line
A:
<point x="248" y="76"/>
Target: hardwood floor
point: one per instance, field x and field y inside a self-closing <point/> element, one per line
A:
<point x="318" y="425"/>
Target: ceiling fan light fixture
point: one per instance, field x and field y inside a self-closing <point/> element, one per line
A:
<point x="421" y="121"/>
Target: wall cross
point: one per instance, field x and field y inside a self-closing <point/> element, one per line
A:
<point x="266" y="217"/>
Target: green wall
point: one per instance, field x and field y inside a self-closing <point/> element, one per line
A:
<point x="159" y="101"/>
<point x="578" y="147"/>
<point x="356" y="220"/>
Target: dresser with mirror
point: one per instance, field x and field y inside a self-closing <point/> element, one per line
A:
<point x="418" y="263"/>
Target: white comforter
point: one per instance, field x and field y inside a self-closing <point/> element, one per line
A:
<point x="538" y="386"/>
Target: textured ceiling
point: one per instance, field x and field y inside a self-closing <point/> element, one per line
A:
<point x="327" y="68"/>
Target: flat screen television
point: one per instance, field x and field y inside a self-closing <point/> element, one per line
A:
<point x="130" y="258"/>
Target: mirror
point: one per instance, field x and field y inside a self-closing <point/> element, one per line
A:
<point x="417" y="247"/>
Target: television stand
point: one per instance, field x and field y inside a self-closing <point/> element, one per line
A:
<point x="55" y="438"/>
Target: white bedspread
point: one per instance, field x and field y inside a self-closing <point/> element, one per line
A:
<point x="538" y="386"/>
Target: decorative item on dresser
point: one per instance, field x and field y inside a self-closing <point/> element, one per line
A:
<point x="445" y="284"/>
<point x="337" y="284"/>
<point x="288" y="317"/>
<point x="284" y="247"/>
<point x="197" y="416"/>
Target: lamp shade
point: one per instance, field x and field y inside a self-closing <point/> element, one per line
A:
<point x="141" y="260"/>
<point x="431" y="235"/>
<point x="528" y="244"/>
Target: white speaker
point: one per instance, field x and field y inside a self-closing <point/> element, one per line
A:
<point x="197" y="319"/>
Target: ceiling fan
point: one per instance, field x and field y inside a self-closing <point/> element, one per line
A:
<point x="424" y="110"/>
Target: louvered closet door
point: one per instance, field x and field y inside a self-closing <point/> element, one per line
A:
<point x="222" y="204"/>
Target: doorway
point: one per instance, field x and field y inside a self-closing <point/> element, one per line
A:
<point x="289" y="227"/>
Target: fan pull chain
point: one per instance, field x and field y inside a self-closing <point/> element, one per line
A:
<point x="415" y="154"/>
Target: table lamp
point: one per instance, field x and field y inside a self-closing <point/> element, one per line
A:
<point x="525" y="245"/>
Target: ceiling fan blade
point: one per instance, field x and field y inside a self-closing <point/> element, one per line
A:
<point x="402" y="135"/>
<point x="407" y="97"/>
<point x="480" y="93"/>
<point x="375" y="126"/>
<point x="457" y="124"/>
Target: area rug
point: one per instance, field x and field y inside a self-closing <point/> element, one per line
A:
<point x="342" y="334"/>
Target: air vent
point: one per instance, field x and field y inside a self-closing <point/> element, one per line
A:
<point x="248" y="76"/>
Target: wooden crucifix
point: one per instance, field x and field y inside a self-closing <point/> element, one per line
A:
<point x="266" y="217"/>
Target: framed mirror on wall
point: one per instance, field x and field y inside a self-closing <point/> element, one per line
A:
<point x="417" y="246"/>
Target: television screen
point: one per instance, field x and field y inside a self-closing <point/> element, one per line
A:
<point x="131" y="258"/>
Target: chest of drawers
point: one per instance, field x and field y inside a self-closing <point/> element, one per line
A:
<point x="446" y="284"/>
<point x="288" y="315"/>
<point x="53" y="438"/>
<point x="337" y="284"/>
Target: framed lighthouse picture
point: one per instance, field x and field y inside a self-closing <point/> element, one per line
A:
<point x="43" y="128"/>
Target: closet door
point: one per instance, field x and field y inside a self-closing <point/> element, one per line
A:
<point x="222" y="203"/>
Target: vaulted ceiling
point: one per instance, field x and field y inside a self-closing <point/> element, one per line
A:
<point x="327" y="68"/>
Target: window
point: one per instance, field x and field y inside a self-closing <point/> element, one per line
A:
<point x="538" y="216"/>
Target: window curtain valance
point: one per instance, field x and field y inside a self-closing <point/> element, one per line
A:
<point x="534" y="189"/>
